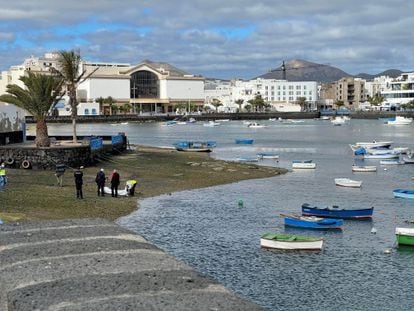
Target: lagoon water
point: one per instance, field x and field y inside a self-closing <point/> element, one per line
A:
<point x="208" y="230"/>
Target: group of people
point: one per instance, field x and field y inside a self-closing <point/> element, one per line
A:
<point x="100" y="182"/>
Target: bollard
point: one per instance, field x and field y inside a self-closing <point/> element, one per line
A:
<point x="241" y="204"/>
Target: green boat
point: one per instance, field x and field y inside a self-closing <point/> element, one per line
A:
<point x="405" y="236"/>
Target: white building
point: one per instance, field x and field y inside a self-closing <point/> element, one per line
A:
<point x="399" y="91"/>
<point x="282" y="95"/>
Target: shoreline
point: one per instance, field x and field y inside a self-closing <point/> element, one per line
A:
<point x="33" y="195"/>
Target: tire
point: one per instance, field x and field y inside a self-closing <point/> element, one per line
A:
<point x="26" y="164"/>
<point x="9" y="161"/>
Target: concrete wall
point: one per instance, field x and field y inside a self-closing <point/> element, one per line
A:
<point x="182" y="89"/>
<point x="119" y="89"/>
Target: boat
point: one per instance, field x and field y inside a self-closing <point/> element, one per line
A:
<point x="382" y="156"/>
<point x="336" y="212"/>
<point x="381" y="151"/>
<point x="255" y="125"/>
<point x="402" y="150"/>
<point x="399" y="120"/>
<point x="290" y="242"/>
<point x="223" y="120"/>
<point x="211" y="124"/>
<point x="391" y="162"/>
<point x="364" y="168"/>
<point x="312" y="222"/>
<point x="195" y="146"/>
<point x="374" y="144"/>
<point x="338" y="121"/>
<point x="346" y="182"/>
<point x="247" y="159"/>
<point x="403" y="193"/>
<point x="306" y="164"/>
<point x="265" y="155"/>
<point x="405" y="236"/>
<point x="246" y="141"/>
<point x="408" y="160"/>
<point x="169" y="123"/>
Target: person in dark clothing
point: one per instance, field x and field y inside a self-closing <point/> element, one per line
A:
<point x="100" y="182"/>
<point x="60" y="171"/>
<point x="79" y="182"/>
<point x="115" y="180"/>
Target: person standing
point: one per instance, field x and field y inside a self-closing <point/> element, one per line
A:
<point x="100" y="182"/>
<point x="3" y="175"/>
<point x="115" y="180"/>
<point x="60" y="170"/>
<point x="79" y="182"/>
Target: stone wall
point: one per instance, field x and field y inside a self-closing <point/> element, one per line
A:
<point x="46" y="158"/>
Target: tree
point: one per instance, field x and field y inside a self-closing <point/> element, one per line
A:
<point x="376" y="100"/>
<point x="180" y="106"/>
<point x="301" y="101"/>
<point x="339" y="103"/>
<point x="126" y="108"/>
<point x="110" y="101"/>
<point x="69" y="63"/>
<point x="239" y="102"/>
<point x="216" y="103"/>
<point x="101" y="102"/>
<point x="40" y="94"/>
<point x="257" y="103"/>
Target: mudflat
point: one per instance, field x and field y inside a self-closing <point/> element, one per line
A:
<point x="34" y="195"/>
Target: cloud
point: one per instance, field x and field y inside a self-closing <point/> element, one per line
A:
<point x="234" y="38"/>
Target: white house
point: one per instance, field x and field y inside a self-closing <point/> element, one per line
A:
<point x="399" y="91"/>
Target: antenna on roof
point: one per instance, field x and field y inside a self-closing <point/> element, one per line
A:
<point x="283" y="70"/>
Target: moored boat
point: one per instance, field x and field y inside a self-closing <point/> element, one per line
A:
<point x="336" y="212"/>
<point x="245" y="141"/>
<point x="364" y="168"/>
<point x="266" y="155"/>
<point x="403" y="193"/>
<point x="374" y="144"/>
<point x="312" y="222"/>
<point x="346" y="182"/>
<point x="256" y="125"/>
<point x="247" y="159"/>
<point x="306" y="164"/>
<point x="399" y="120"/>
<point x="211" y="124"/>
<point x="391" y="162"/>
<point x="408" y="160"/>
<point x="381" y="156"/>
<point x="405" y="236"/>
<point x="195" y="146"/>
<point x="290" y="242"/>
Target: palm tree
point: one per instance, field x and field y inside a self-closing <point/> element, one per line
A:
<point x="258" y="103"/>
<point x="100" y="101"/>
<point x="40" y="94"/>
<point x="69" y="68"/>
<point x="216" y="103"/>
<point x="339" y="103"/>
<point x="376" y="100"/>
<point x="126" y="108"/>
<point x="239" y="102"/>
<point x="110" y="101"/>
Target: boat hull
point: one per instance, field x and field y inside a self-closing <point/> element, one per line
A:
<point x="323" y="224"/>
<point x="244" y="141"/>
<point x="303" y="165"/>
<point x="403" y="193"/>
<point x="364" y="168"/>
<point x="334" y="212"/>
<point x="345" y="182"/>
<point x="194" y="149"/>
<point x="405" y="236"/>
<point x="316" y="244"/>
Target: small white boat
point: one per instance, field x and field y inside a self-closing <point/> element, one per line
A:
<point x="382" y="156"/>
<point x="247" y="159"/>
<point x="346" y="182"/>
<point x="256" y="125"/>
<point x="211" y="124"/>
<point x="307" y="164"/>
<point x="290" y="242"/>
<point x="326" y="118"/>
<point x="265" y="155"/>
<point x="381" y="151"/>
<point x="391" y="162"/>
<point x="247" y="122"/>
<point x="364" y="168"/>
<point x="402" y="150"/>
<point x="399" y="120"/>
<point x="338" y="121"/>
<point x="223" y="120"/>
<point x="374" y="144"/>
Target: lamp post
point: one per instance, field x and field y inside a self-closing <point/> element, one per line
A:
<point x="189" y="91"/>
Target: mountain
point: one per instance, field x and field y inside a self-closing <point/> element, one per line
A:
<point x="301" y="70"/>
<point x="393" y="73"/>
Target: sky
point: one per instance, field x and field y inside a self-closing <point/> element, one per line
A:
<point x="216" y="39"/>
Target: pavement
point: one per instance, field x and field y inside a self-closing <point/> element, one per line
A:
<point x="94" y="264"/>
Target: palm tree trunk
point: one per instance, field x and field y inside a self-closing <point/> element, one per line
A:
<point x="74" y="107"/>
<point x="42" y="137"/>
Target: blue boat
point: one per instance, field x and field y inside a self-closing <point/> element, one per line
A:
<point x="244" y="141"/>
<point x="312" y="222"/>
<point x="336" y="212"/>
<point x="403" y="193"/>
<point x="195" y="146"/>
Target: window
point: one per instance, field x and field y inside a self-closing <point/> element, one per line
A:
<point x="94" y="111"/>
<point x="86" y="111"/>
<point x="144" y="84"/>
<point x="298" y="87"/>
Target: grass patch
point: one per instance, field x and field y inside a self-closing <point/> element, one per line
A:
<point x="33" y="195"/>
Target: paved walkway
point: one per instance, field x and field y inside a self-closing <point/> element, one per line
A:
<point x="97" y="265"/>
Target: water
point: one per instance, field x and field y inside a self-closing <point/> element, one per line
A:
<point x="207" y="229"/>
